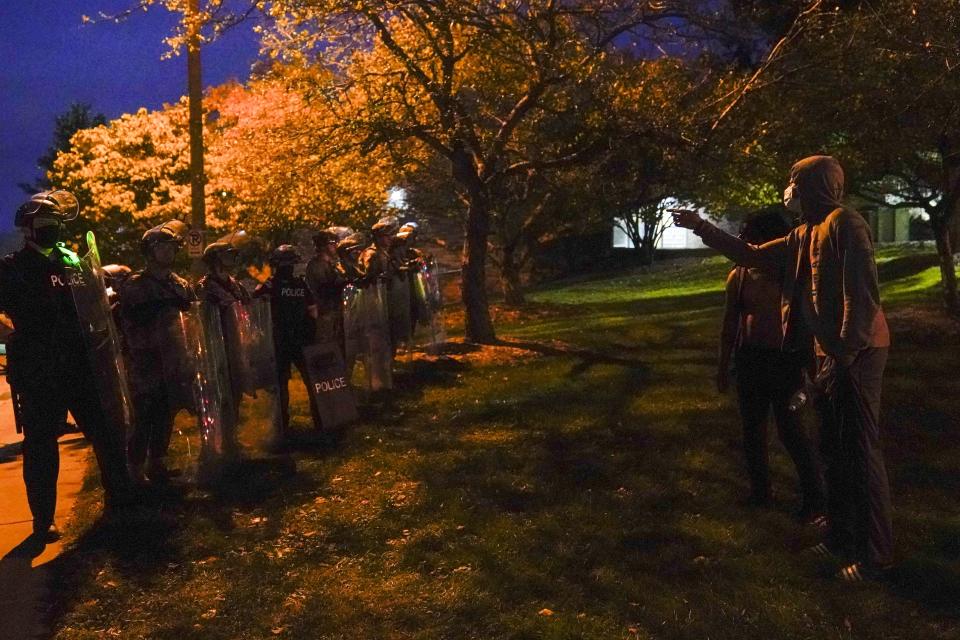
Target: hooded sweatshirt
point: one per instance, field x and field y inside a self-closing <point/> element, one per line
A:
<point x="830" y="282"/>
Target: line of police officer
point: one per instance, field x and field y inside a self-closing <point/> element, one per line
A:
<point x="51" y="371"/>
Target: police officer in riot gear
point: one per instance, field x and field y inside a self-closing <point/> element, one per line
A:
<point x="150" y="302"/>
<point x="349" y="250"/>
<point x="294" y="319"/>
<point x="376" y="260"/>
<point x="48" y="366"/>
<point x="326" y="278"/>
<point x="410" y="260"/>
<point x="219" y="286"/>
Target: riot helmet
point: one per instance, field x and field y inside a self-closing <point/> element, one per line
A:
<point x="323" y="238"/>
<point x="116" y="272"/>
<point x="386" y="226"/>
<point x="60" y="205"/>
<point x="408" y="232"/>
<point x="114" y="275"/>
<point x="286" y="255"/>
<point x="172" y="231"/>
<point x="43" y="216"/>
<point x="219" y="253"/>
<point x="349" y="247"/>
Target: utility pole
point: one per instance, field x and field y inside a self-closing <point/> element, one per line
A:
<point x="195" y="98"/>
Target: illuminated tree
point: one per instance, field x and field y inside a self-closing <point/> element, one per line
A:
<point x="464" y="80"/>
<point x="876" y="84"/>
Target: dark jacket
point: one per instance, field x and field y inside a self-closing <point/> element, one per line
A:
<point x="829" y="275"/>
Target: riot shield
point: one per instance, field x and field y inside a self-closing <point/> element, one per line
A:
<point x="377" y="354"/>
<point x="248" y="337"/>
<point x="329" y="383"/>
<point x="398" y="309"/>
<point x="352" y="327"/>
<point x="428" y="296"/>
<point x="367" y="333"/>
<point x="100" y="335"/>
<point x="158" y="357"/>
<point x="206" y="376"/>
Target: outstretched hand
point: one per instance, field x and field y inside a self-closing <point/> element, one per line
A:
<point x="685" y="218"/>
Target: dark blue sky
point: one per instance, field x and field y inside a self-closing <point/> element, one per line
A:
<point x="51" y="60"/>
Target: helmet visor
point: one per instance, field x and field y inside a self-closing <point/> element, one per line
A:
<point x="59" y="204"/>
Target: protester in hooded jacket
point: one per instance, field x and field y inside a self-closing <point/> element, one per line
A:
<point x="830" y="288"/>
<point x="767" y="378"/>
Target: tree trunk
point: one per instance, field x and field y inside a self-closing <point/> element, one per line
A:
<point x="948" y="274"/>
<point x="473" y="274"/>
<point x="648" y="245"/>
<point x="510" y="279"/>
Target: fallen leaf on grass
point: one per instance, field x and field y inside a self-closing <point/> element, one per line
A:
<point x="210" y="613"/>
<point x="277" y="630"/>
<point x="545" y="612"/>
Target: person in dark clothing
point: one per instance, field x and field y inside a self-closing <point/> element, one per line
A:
<point x="376" y="260"/>
<point x="220" y="289"/>
<point x="150" y="303"/>
<point x="410" y="260"/>
<point x="218" y="286"/>
<point x="294" y="319"/>
<point x="326" y="279"/>
<point x="830" y="289"/>
<point x="48" y="367"/>
<point x="349" y="250"/>
<point x="767" y="378"/>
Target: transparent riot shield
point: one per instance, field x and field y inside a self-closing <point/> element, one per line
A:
<point x="205" y="377"/>
<point x="428" y="296"/>
<point x="100" y="335"/>
<point x="352" y="327"/>
<point x="371" y="309"/>
<point x="399" y="310"/>
<point x="329" y="383"/>
<point x="248" y="337"/>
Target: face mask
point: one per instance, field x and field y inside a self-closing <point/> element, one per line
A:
<point x="47" y="236"/>
<point x="791" y="199"/>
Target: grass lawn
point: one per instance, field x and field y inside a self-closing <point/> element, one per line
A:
<point x="580" y="482"/>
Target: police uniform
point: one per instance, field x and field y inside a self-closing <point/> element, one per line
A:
<point x="222" y="292"/>
<point x="326" y="280"/>
<point x="149" y="309"/>
<point x="293" y="329"/>
<point x="50" y="373"/>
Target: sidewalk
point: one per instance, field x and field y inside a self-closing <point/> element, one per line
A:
<point x="23" y="581"/>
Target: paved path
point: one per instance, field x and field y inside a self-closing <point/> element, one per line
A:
<point x="23" y="580"/>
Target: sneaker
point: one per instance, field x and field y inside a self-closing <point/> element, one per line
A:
<point x="861" y="572"/>
<point x="47" y="534"/>
<point x="821" y="551"/>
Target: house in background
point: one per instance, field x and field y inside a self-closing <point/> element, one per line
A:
<point x="889" y="226"/>
<point x="672" y="237"/>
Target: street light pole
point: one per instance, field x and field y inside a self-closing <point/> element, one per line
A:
<point x="195" y="99"/>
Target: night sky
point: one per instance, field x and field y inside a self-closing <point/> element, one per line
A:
<point x="52" y="60"/>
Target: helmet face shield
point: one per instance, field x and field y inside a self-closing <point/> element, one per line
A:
<point x="59" y="204"/>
